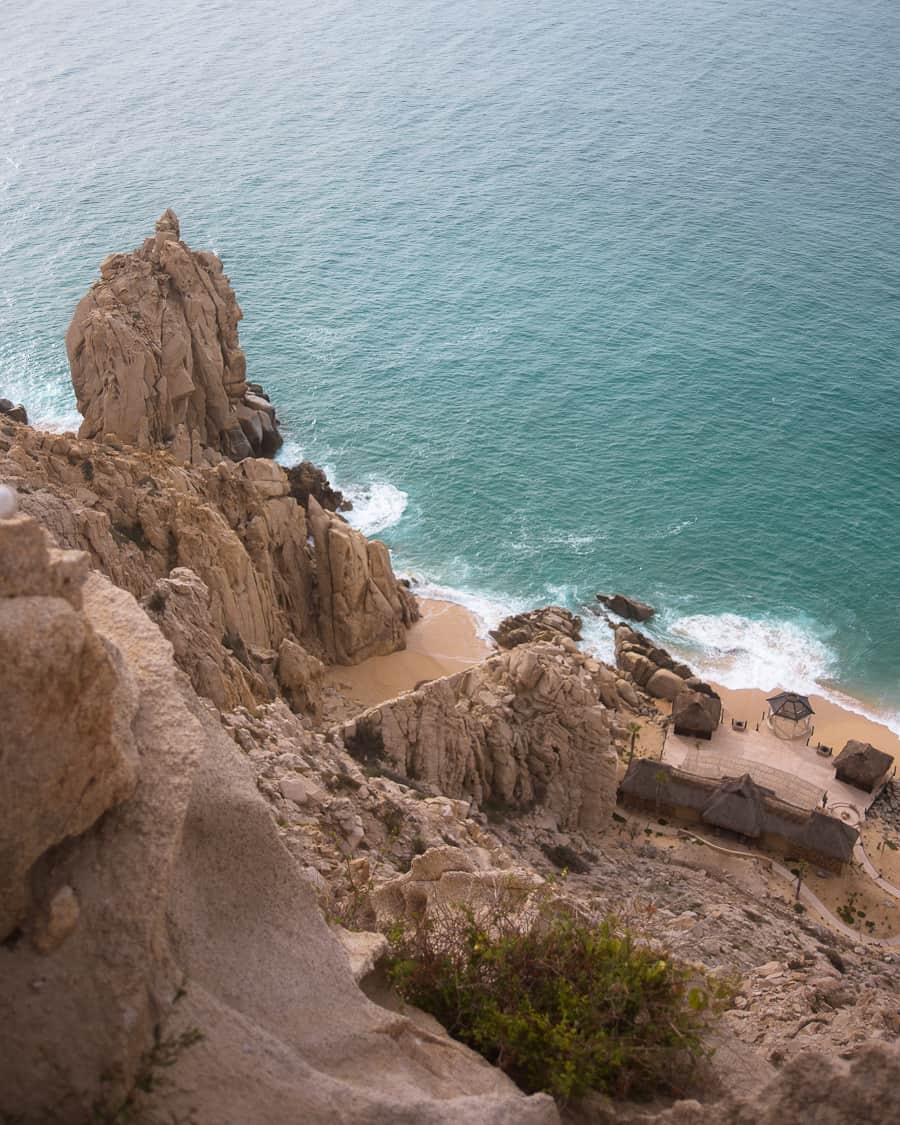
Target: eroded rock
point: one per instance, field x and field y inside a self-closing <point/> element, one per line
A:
<point x="522" y="729"/>
<point x="155" y="358"/>
<point x="67" y="703"/>
<point x="535" y="625"/>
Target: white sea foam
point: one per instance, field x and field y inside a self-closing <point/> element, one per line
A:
<point x="377" y="506"/>
<point x="487" y="609"/>
<point x="740" y="652"/>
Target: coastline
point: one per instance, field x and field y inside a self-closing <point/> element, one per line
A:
<point x="449" y="638"/>
<point x="833" y="725"/>
<point x="444" y="641"/>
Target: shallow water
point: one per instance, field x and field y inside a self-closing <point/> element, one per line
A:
<point x="575" y="296"/>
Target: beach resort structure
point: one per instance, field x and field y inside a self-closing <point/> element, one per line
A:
<point x="790" y="715"/>
<point x="741" y="806"/>
<point x="861" y="765"/>
<point x="696" y="714"/>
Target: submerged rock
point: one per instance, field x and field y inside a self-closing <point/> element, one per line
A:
<point x="627" y="607"/>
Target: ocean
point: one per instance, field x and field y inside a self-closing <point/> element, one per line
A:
<point x="569" y="296"/>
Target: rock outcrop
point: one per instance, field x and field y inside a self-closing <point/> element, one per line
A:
<point x="525" y="728"/>
<point x="66" y="753"/>
<point x="537" y="624"/>
<point x="178" y="909"/>
<point x="155" y="358"/>
<point x="268" y="569"/>
<point x="652" y="668"/>
<point x="307" y="479"/>
<point x="627" y="607"/>
<point x="15" y="411"/>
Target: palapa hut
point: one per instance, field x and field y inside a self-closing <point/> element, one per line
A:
<point x="861" y="765"/>
<point x="739" y="806"/>
<point x="790" y="715"/>
<point x="696" y="714"/>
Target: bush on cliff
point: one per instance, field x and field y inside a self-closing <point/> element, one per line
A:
<point x="561" y="1005"/>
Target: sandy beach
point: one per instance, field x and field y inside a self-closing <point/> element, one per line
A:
<point x="444" y="641"/>
<point x="833" y="725"/>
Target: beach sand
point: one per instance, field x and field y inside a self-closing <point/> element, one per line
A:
<point x="444" y="641"/>
<point x="833" y="725"/>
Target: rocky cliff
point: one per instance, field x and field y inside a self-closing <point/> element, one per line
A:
<point x="155" y="358"/>
<point x="144" y="884"/>
<point x="274" y="587"/>
<point x="179" y="813"/>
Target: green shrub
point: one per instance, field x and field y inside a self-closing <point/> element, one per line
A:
<point x="561" y="1005"/>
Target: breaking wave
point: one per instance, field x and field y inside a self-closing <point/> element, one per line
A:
<point x="376" y="506"/>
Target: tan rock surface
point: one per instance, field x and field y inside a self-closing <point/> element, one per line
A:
<point x="523" y="728"/>
<point x="67" y="704"/>
<point x="270" y="572"/>
<point x="185" y="887"/>
<point x="155" y="358"/>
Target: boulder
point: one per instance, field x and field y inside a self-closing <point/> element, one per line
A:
<point x="155" y="358"/>
<point x="67" y="704"/>
<point x="537" y="623"/>
<point x="14" y="411"/>
<point x="307" y="479"/>
<point x="627" y="607"/>
<point x="665" y="684"/>
<point x="522" y="729"/>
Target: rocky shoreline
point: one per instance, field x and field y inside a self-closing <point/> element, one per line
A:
<point x="223" y="832"/>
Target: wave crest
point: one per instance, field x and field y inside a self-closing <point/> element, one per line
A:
<point x="376" y="506"/>
<point x="738" y="651"/>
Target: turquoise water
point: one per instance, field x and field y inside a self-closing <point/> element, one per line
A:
<point x="574" y="296"/>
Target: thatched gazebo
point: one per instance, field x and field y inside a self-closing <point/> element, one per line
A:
<point x="738" y="805"/>
<point x="696" y="714"/>
<point x="790" y="715"/>
<point x="859" y="764"/>
<point x="827" y="840"/>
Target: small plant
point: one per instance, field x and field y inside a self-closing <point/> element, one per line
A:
<point x="561" y="1004"/>
<point x="634" y="730"/>
<point x="847" y="912"/>
<point x="366" y="744"/>
<point x="163" y="1053"/>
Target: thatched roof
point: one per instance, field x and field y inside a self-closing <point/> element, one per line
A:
<point x="738" y="806"/>
<point x="828" y="836"/>
<point x="658" y="781"/>
<point x="694" y="712"/>
<point x="790" y="705"/>
<point x="861" y="765"/>
<point x="741" y="806"/>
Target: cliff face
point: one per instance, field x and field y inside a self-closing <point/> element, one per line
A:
<point x="271" y="573"/>
<point x="523" y="729"/>
<point x="181" y="887"/>
<point x="155" y="359"/>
